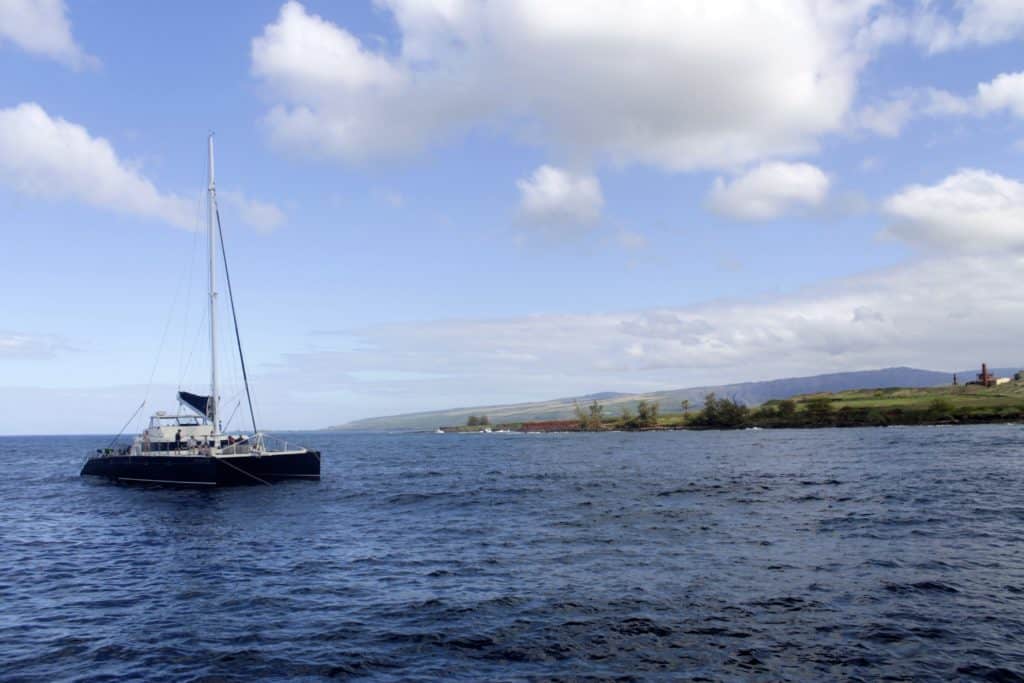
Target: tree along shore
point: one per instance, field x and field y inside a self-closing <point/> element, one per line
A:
<point x="860" y="408"/>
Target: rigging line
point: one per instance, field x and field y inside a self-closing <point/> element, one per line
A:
<point x="231" y="371"/>
<point x="114" y="440"/>
<point x="234" y="317"/>
<point x="188" y="294"/>
<point x="195" y="343"/>
<point x="248" y="474"/>
<point x="228" y="366"/>
<point x="160" y="350"/>
<point x="231" y="417"/>
<point x="163" y="339"/>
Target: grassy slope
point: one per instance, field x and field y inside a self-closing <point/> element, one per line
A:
<point x="901" y="405"/>
<point x="750" y="393"/>
<point x="1005" y="395"/>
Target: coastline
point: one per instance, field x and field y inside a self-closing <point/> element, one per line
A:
<point x="895" y="406"/>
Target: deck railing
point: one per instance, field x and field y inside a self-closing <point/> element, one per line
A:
<point x="255" y="444"/>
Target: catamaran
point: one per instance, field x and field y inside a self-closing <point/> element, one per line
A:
<point x="189" y="449"/>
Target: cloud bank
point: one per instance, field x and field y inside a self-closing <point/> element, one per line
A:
<point x="941" y="314"/>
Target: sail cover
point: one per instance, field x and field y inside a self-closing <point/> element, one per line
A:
<point x="198" y="403"/>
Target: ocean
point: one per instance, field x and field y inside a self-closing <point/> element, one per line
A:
<point x="859" y="554"/>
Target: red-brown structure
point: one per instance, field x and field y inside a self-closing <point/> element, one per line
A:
<point x="985" y="378"/>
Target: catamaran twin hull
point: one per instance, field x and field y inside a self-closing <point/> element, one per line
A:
<point x="204" y="470"/>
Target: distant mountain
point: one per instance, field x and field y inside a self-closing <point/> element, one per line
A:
<point x="750" y="393"/>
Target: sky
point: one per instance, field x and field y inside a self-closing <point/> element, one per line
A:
<point x="438" y="203"/>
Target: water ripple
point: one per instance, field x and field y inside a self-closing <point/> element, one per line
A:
<point x="862" y="554"/>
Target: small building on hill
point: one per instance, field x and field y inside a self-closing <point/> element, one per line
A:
<point x="987" y="379"/>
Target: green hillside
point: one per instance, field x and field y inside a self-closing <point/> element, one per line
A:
<point x="971" y="397"/>
<point x="949" y="404"/>
<point x="749" y="393"/>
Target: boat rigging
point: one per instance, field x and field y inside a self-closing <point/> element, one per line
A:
<point x="191" y="450"/>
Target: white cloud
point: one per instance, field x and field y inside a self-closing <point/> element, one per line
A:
<point x="971" y="210"/>
<point x="50" y="157"/>
<point x="977" y="23"/>
<point x="1005" y="91"/>
<point x="41" y="27"/>
<point x="557" y="196"/>
<point x="343" y="100"/>
<point x="47" y="156"/>
<point x="888" y="117"/>
<point x="770" y="190"/>
<point x="940" y="314"/>
<point x="674" y="85"/>
<point x="259" y="215"/>
<point x="280" y="55"/>
<point x="935" y="102"/>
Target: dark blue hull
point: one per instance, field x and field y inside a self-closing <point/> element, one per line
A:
<point x="202" y="471"/>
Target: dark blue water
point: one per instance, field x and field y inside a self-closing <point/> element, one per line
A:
<point x="772" y="555"/>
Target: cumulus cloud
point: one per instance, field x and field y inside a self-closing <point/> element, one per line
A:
<point x="1005" y="91"/>
<point x="341" y="63"/>
<point x="970" y="210"/>
<point x="41" y="27"/>
<point x="259" y="215"/>
<point x="557" y="196"/>
<point x="674" y="85"/>
<point x="769" y="190"/>
<point x="50" y="157"/>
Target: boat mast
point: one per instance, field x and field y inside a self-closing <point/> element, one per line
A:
<point x="212" y="207"/>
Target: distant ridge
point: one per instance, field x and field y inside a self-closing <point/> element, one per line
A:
<point x="751" y="393"/>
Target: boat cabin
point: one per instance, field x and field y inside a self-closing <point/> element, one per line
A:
<point x="184" y="435"/>
<point x="174" y="432"/>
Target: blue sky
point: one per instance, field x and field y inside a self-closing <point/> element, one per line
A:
<point x="431" y="204"/>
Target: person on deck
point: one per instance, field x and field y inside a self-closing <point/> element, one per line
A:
<point x="177" y="441"/>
